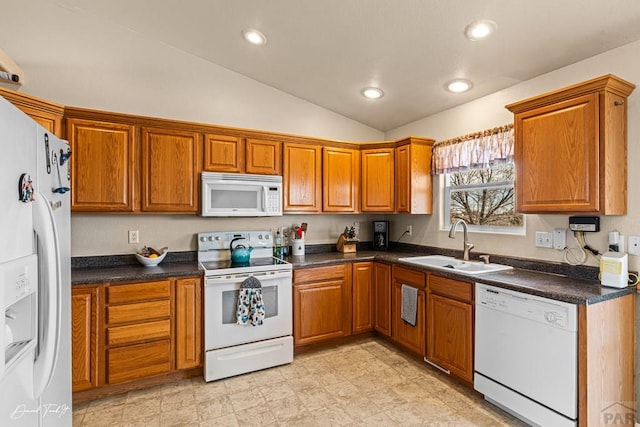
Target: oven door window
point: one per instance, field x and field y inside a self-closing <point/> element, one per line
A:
<point x="230" y="303"/>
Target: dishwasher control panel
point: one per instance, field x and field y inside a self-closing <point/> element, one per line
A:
<point x="532" y="307"/>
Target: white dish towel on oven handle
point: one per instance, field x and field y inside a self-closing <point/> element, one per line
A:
<point x="250" y="309"/>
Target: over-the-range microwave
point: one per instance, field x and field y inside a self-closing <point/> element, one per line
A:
<point x="234" y="194"/>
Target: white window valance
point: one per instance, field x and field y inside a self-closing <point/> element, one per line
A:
<point x="478" y="150"/>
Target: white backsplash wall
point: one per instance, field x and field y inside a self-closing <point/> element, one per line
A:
<point x="93" y="235"/>
<point x="488" y="112"/>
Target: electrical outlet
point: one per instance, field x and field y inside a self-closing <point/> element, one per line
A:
<point x="409" y="230"/>
<point x="634" y="245"/>
<point x="544" y="239"/>
<point x="134" y="236"/>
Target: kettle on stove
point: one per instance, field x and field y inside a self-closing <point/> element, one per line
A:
<point x="240" y="254"/>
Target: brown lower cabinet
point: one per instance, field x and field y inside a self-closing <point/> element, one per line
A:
<point x="450" y="325"/>
<point x="382" y="298"/>
<point x="126" y="332"/>
<point x="84" y="337"/>
<point x="322" y="303"/>
<point x="410" y="337"/>
<point x="362" y="297"/>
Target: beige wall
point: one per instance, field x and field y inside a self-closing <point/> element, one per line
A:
<point x="489" y="112"/>
<point x="107" y="234"/>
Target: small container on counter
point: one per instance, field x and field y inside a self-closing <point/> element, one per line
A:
<point x="297" y="247"/>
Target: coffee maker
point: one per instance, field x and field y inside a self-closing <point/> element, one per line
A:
<point x="381" y="235"/>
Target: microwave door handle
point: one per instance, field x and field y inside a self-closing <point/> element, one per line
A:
<point x="265" y="190"/>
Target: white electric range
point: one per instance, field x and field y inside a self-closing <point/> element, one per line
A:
<point x="233" y="349"/>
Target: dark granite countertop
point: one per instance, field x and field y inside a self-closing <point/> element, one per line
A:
<point x="576" y="285"/>
<point x="540" y="283"/>
<point x="128" y="273"/>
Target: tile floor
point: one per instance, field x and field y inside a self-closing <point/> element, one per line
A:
<point x="364" y="383"/>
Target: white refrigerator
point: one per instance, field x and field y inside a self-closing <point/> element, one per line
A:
<point x="35" y="274"/>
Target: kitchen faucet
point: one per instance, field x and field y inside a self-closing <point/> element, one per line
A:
<point x="466" y="245"/>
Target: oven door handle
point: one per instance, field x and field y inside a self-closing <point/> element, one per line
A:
<point x="265" y="277"/>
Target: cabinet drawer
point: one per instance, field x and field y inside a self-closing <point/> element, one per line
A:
<point x="455" y="289"/>
<point x="133" y="292"/>
<point x="139" y="332"/>
<point x="409" y="277"/>
<point x="138" y="361"/>
<point x="316" y="274"/>
<point x="142" y="311"/>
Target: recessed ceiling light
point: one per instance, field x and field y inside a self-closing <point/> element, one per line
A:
<point x="480" y="30"/>
<point x="372" y="93"/>
<point x="254" y="37"/>
<point x="459" y="86"/>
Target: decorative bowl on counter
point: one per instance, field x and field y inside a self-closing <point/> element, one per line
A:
<point x="149" y="257"/>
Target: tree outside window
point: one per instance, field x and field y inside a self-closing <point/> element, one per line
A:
<point x="484" y="199"/>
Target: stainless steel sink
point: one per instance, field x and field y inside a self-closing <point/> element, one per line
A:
<point x="448" y="263"/>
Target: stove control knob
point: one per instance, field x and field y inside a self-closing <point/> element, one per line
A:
<point x="211" y="238"/>
<point x="203" y="239"/>
<point x="266" y="237"/>
<point x="259" y="236"/>
<point x="217" y="238"/>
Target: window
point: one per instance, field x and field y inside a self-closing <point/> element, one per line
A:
<point x="484" y="199"/>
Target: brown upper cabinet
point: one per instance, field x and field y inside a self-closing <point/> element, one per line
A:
<point x="378" y="186"/>
<point x="223" y="153"/>
<point x="414" y="192"/>
<point x="235" y="154"/>
<point x="170" y="172"/>
<point x="103" y="166"/>
<point x="121" y="165"/>
<point x="46" y="114"/>
<point x="263" y="156"/>
<point x="302" y="180"/>
<point x="340" y="179"/>
<point x="571" y="149"/>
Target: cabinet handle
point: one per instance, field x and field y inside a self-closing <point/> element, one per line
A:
<point x="618" y="103"/>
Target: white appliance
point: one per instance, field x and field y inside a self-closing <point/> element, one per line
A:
<point x="232" y="349"/>
<point x="226" y="194"/>
<point x="35" y="274"/>
<point x="614" y="270"/>
<point x="526" y="355"/>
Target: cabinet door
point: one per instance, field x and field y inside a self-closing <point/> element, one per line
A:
<point x="450" y="335"/>
<point x="362" y="297"/>
<point x="302" y="178"/>
<point x="382" y="298"/>
<point x="378" y="185"/>
<point x="321" y="304"/>
<point x="556" y="155"/>
<point x="413" y="178"/>
<point x="84" y="338"/>
<point x="411" y="337"/>
<point x="170" y="170"/>
<point x="50" y="121"/>
<point x="223" y="153"/>
<point x="264" y="156"/>
<point x="340" y="173"/>
<point x="188" y="323"/>
<point x="45" y="113"/>
<point x="102" y="166"/>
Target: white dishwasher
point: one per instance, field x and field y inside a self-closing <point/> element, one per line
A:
<point x="526" y="355"/>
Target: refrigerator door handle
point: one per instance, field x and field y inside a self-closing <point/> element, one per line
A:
<point x="45" y="228"/>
